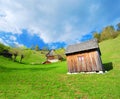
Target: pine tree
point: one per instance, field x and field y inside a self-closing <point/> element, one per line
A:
<point x="37" y="48"/>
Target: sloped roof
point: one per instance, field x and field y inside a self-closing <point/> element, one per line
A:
<point x="88" y="45"/>
<point x="51" y="53"/>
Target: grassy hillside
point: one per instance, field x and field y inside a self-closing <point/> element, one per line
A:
<point x="32" y="56"/>
<point x="110" y="50"/>
<point x="25" y="81"/>
<point x="37" y="57"/>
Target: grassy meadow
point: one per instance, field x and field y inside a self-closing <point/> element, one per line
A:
<point x="51" y="81"/>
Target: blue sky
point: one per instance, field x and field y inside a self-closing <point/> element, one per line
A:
<point x="54" y="23"/>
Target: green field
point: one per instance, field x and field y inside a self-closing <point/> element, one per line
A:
<point x="51" y="81"/>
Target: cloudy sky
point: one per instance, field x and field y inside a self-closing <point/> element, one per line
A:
<point x="54" y="23"/>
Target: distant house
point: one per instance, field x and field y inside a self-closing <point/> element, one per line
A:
<point x="84" y="57"/>
<point x="52" y="56"/>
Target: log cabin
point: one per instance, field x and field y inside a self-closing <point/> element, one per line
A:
<point x="84" y="57"/>
<point x="52" y="56"/>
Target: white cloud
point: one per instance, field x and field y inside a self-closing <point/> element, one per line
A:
<point x="10" y="40"/>
<point x="13" y="38"/>
<point x="94" y="8"/>
<point x="16" y="44"/>
<point x="51" y="20"/>
<point x="3" y="42"/>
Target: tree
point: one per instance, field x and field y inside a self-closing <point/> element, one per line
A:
<point x="118" y="27"/>
<point x="37" y="48"/>
<point x="45" y="48"/>
<point x="118" y="30"/>
<point x="17" y="52"/>
<point x="97" y="36"/>
<point x="22" y="53"/>
<point x="14" y="52"/>
<point x="32" y="47"/>
<point x="3" y="48"/>
<point x="4" y="51"/>
<point x="107" y="33"/>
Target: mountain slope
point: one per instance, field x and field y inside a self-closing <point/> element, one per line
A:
<point x="110" y="50"/>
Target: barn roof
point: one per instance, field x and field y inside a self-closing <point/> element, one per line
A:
<point x="85" y="46"/>
<point x="51" y="53"/>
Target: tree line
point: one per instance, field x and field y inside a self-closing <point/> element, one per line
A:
<point x="107" y="33"/>
<point x="12" y="53"/>
<point x="20" y="52"/>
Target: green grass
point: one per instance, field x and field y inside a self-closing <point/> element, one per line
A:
<point x="33" y="57"/>
<point x="25" y="81"/>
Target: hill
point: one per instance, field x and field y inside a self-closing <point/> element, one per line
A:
<point x="110" y="50"/>
<point x="34" y="57"/>
<point x="38" y="57"/>
<point x="50" y="81"/>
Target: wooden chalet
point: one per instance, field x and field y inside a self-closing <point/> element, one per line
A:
<point x="84" y="57"/>
<point x="52" y="56"/>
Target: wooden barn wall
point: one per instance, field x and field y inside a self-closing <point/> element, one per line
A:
<point x="50" y="57"/>
<point x="86" y="62"/>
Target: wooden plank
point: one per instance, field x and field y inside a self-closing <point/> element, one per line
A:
<point x="91" y="61"/>
<point x="99" y="61"/>
<point x="88" y="63"/>
<point x="78" y="64"/>
<point x="75" y="66"/>
<point x="94" y="62"/>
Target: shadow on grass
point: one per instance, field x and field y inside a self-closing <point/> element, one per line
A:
<point x="108" y="66"/>
<point x="6" y="69"/>
<point x="21" y="62"/>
